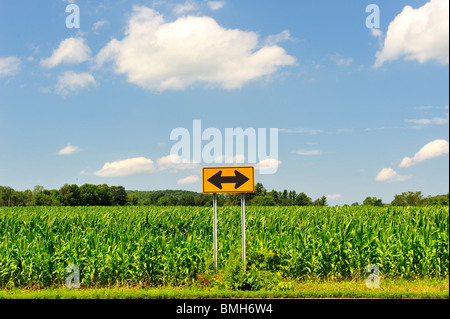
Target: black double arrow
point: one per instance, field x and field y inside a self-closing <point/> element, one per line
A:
<point x="217" y="179"/>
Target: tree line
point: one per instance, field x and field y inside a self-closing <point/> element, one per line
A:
<point x="104" y="195"/>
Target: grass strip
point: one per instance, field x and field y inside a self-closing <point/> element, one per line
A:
<point x="390" y="288"/>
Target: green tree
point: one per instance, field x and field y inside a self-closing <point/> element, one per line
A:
<point x="372" y="201"/>
<point x="266" y="200"/>
<point x="260" y="190"/>
<point x="104" y="195"/>
<point x="119" y="196"/>
<point x="186" y="200"/>
<point x="38" y="189"/>
<point x="322" y="201"/>
<point x="408" y="199"/>
<point x="89" y="195"/>
<point x="232" y="199"/>
<point x="440" y="200"/>
<point x="203" y="199"/>
<point x="276" y="196"/>
<point x="132" y="200"/>
<point x="163" y="201"/>
<point x="45" y="197"/>
<point x="286" y="202"/>
<point x="155" y="196"/>
<point x="173" y="201"/>
<point x="302" y="200"/>
<point x="292" y="196"/>
<point x="6" y="194"/>
<point x="69" y="195"/>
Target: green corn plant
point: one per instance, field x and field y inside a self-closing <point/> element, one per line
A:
<point x="171" y="245"/>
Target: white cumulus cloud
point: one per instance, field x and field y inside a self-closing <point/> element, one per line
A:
<point x="9" y="65"/>
<point x="418" y="34"/>
<point x="69" y="51"/>
<point x="268" y="166"/>
<point x="188" y="180"/>
<point x="174" y="163"/>
<point x="70" y="81"/>
<point x="136" y="165"/>
<point x="159" y="55"/>
<point x="69" y="149"/>
<point x="126" y="167"/>
<point x="216" y="5"/>
<point x="431" y="150"/>
<point x="333" y="196"/>
<point x="187" y="6"/>
<point x="390" y="175"/>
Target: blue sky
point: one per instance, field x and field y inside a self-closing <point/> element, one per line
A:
<point x="360" y="112"/>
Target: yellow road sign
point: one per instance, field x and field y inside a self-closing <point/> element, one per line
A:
<point x="231" y="179"/>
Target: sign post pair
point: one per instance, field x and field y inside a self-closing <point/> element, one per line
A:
<point x="233" y="179"/>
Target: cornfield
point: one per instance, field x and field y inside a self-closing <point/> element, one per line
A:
<point x="172" y="245"/>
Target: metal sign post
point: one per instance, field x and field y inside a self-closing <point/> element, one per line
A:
<point x="243" y="228"/>
<point x="215" y="229"/>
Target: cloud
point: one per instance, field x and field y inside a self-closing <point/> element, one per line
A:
<point x="385" y="128"/>
<point x="97" y="25"/>
<point x="429" y="107"/>
<point x="432" y="121"/>
<point x="418" y="34"/>
<point x="126" y="167"/>
<point x="277" y="38"/>
<point x="390" y="175"/>
<point x="69" y="149"/>
<point x="307" y="152"/>
<point x="268" y="166"/>
<point x="174" y="162"/>
<point x="137" y="165"/>
<point x="188" y="180"/>
<point x="341" y="61"/>
<point x="377" y="33"/>
<point x="70" y="81"/>
<point x="431" y="150"/>
<point x="9" y="66"/>
<point x="185" y="7"/>
<point x="216" y="5"/>
<point x="333" y="196"/>
<point x="159" y="55"/>
<point x="70" y="51"/>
